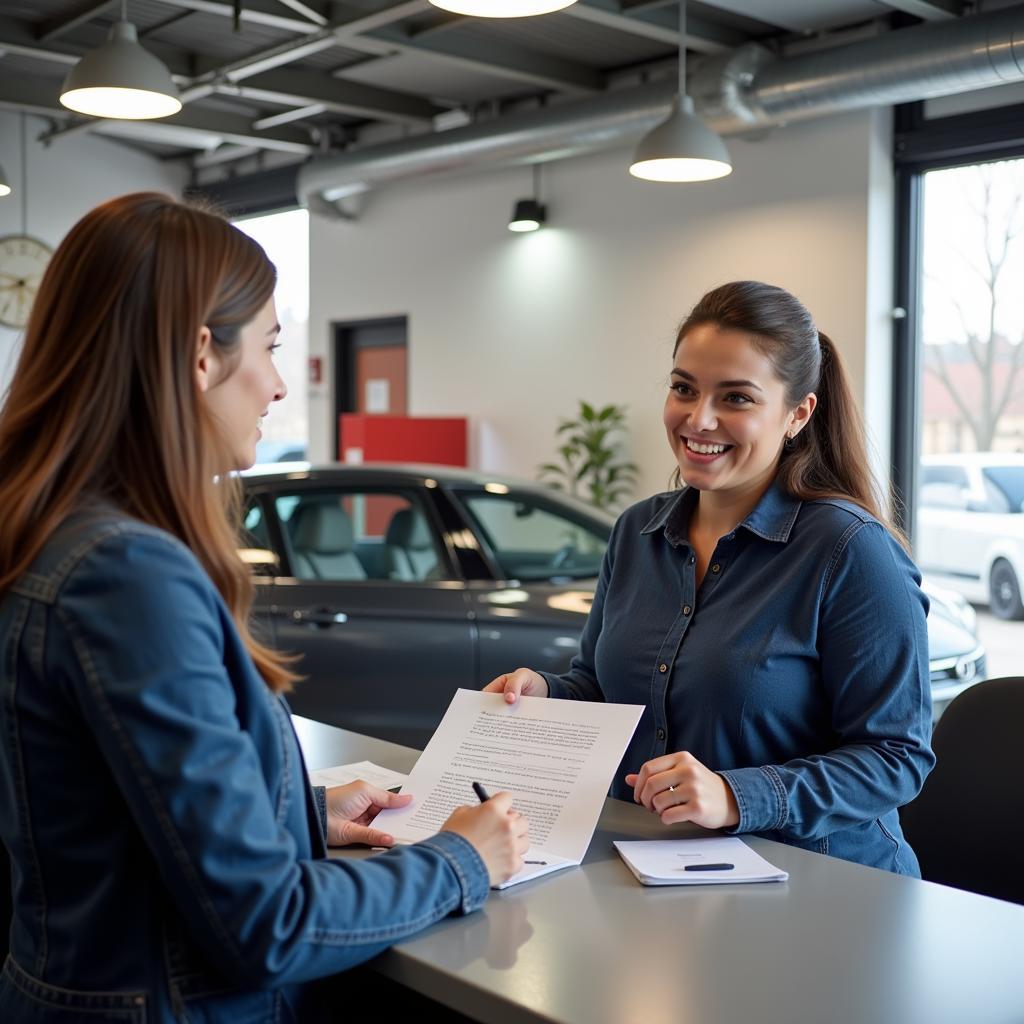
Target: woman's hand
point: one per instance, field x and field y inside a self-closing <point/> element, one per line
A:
<point x="524" y="681"/>
<point x="500" y="834"/>
<point x="677" y="787"/>
<point x="351" y="808"/>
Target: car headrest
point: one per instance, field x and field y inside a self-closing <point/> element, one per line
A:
<point x="408" y="529"/>
<point x="323" y="527"/>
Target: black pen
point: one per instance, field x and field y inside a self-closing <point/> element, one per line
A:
<point x="709" y="867"/>
<point x="482" y="795"/>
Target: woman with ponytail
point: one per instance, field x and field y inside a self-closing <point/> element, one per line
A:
<point x="168" y="855"/>
<point x="766" y="613"/>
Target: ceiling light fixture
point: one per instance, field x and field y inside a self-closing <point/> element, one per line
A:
<point x="529" y="214"/>
<point x="502" y="8"/>
<point x="682" y="148"/>
<point x="5" y="185"/>
<point x="121" y="79"/>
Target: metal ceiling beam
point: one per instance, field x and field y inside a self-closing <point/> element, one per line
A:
<point x="356" y="99"/>
<point x="83" y="13"/>
<point x="504" y="60"/>
<point x="21" y="93"/>
<point x="930" y="10"/>
<point x="17" y="37"/>
<point x="255" y="12"/>
<point x="353" y="23"/>
<point x="305" y="11"/>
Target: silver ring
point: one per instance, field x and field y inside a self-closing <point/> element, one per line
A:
<point x="671" y="789"/>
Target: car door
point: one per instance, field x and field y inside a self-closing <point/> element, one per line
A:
<point x="549" y="555"/>
<point x="943" y="498"/>
<point x="369" y="601"/>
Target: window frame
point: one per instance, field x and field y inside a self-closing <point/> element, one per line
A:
<point x="921" y="145"/>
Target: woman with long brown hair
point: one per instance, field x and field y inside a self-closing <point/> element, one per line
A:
<point x="766" y="613"/>
<point x="168" y="855"/>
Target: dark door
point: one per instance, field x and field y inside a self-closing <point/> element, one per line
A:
<point x="370" y="369"/>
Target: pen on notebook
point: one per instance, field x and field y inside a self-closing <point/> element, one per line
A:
<point x="709" y="867"/>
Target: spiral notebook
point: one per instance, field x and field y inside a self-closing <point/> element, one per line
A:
<point x="718" y="861"/>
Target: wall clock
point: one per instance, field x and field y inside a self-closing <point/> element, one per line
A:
<point x="22" y="262"/>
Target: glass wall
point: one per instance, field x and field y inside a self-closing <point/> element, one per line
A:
<point x="285" y="237"/>
<point x="969" y="530"/>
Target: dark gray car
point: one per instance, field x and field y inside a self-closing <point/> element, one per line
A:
<point x="399" y="584"/>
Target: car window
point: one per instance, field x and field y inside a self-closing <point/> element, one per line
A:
<point x="254" y="544"/>
<point x="954" y="475"/>
<point x="359" y="535"/>
<point x="1008" y="484"/>
<point x="533" y="539"/>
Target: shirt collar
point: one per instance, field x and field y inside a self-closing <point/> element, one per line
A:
<point x="772" y="518"/>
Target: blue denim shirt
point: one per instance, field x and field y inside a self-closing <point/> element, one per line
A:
<point x="168" y="859"/>
<point x="798" y="669"/>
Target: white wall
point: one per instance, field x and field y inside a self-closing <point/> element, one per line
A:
<point x="512" y="330"/>
<point x="65" y="181"/>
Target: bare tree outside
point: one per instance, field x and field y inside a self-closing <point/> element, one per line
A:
<point x="973" y="323"/>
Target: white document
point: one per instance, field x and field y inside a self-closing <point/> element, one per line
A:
<point x="342" y="774"/>
<point x="696" y="862"/>
<point x="556" y="757"/>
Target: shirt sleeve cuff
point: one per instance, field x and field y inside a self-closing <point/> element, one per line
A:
<point x="556" y="687"/>
<point x="320" y="799"/>
<point x="469" y="868"/>
<point x="760" y="797"/>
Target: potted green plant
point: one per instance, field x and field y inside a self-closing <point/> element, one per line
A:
<point x="589" y="448"/>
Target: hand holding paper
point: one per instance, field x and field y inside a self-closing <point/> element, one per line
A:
<point x="556" y="757"/>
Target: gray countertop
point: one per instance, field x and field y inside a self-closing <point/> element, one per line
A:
<point x="837" y="944"/>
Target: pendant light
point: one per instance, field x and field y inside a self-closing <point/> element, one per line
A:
<point x="529" y="214"/>
<point x="5" y="185"/>
<point x="502" y="8"/>
<point x="682" y="148"/>
<point x="121" y="79"/>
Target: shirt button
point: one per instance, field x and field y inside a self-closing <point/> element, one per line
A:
<point x="716" y="567"/>
<point x="663" y="667"/>
<point x="692" y="559"/>
<point x="661" y="734"/>
<point x="686" y="609"/>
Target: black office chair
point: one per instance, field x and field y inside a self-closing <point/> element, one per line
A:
<point x="967" y="824"/>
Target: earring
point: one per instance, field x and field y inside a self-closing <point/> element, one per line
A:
<point x="788" y="443"/>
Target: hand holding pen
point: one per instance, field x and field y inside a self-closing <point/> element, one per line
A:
<point x="483" y="796"/>
<point x="499" y="833"/>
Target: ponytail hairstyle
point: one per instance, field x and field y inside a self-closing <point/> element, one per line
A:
<point x="104" y="402"/>
<point x="828" y="458"/>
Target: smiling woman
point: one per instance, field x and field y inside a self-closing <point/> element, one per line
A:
<point x="746" y="610"/>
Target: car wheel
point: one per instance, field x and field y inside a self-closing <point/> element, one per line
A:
<point x="1004" y="592"/>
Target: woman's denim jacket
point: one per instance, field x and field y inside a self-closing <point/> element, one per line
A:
<point x="168" y="854"/>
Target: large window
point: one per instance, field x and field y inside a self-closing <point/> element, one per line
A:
<point x="285" y="238"/>
<point x="962" y="398"/>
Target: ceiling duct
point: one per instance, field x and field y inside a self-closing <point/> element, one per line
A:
<point x="749" y="88"/>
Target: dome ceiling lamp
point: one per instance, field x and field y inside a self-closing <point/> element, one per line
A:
<point x="121" y="79"/>
<point x="502" y="8"/>
<point x="682" y="148"/>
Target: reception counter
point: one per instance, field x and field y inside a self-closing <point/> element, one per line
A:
<point x="836" y="944"/>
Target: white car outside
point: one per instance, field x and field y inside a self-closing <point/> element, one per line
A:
<point x="970" y="527"/>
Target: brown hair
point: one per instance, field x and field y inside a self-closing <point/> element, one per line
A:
<point x="828" y="458"/>
<point x="104" y="402"/>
